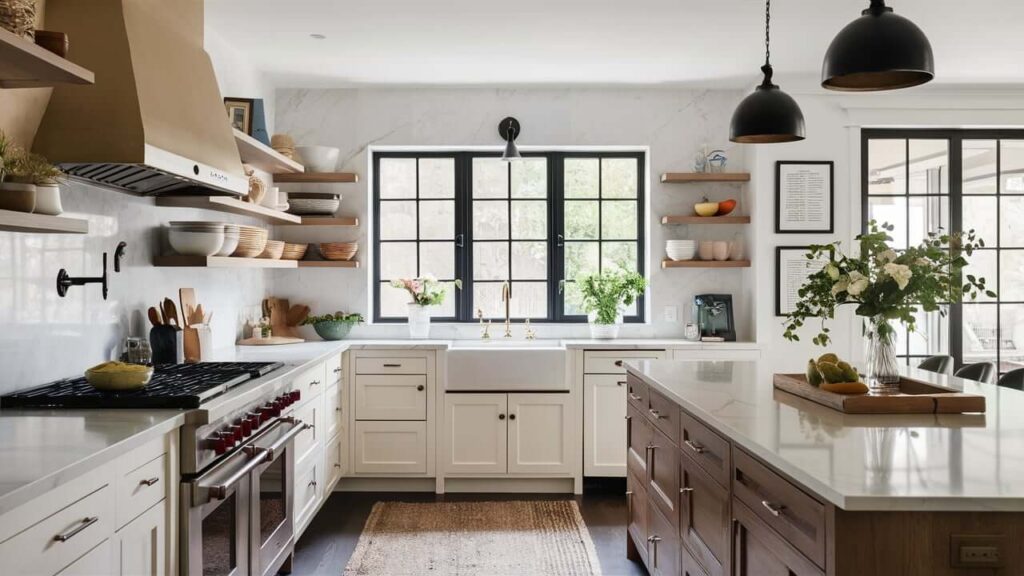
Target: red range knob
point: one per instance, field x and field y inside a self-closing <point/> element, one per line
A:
<point x="218" y="444"/>
<point x="254" y="420"/>
<point x="295" y="395"/>
<point x="246" y="426"/>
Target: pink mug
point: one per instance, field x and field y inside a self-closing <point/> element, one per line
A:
<point x="706" y="250"/>
<point x="721" y="250"/>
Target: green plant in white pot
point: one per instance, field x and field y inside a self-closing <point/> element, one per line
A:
<point x="46" y="178"/>
<point x="603" y="297"/>
<point x="17" y="191"/>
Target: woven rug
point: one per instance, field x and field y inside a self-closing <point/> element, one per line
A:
<point x="524" y="538"/>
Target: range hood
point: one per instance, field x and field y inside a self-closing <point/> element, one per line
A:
<point x="154" y="122"/>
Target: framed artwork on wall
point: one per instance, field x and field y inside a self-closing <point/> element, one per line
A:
<point x="240" y="113"/>
<point x="792" y="267"/>
<point x="804" y="196"/>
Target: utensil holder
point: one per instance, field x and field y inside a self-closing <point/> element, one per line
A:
<point x="198" y="343"/>
<point x="163" y="340"/>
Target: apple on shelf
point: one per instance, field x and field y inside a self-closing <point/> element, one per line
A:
<point x="708" y="209"/>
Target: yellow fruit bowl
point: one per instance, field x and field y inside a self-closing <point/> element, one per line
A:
<point x="118" y="376"/>
<point x="706" y="209"/>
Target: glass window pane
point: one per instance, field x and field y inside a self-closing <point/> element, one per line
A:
<point x="887" y="166"/>
<point x="1011" y="167"/>
<point x="398" y="220"/>
<point x="397" y="178"/>
<point x="490" y="220"/>
<point x="979" y="214"/>
<point x="529" y="220"/>
<point x="618" y="177"/>
<point x="447" y="308"/>
<point x="1011" y="337"/>
<point x="618" y="256"/>
<point x="929" y="167"/>
<point x="581" y="178"/>
<point x="618" y="220"/>
<point x="581" y="220"/>
<point x="529" y="300"/>
<point x="1011" y="275"/>
<point x="490" y="261"/>
<point x="530" y="178"/>
<point x="1011" y="215"/>
<point x="979" y="333"/>
<point x="929" y="214"/>
<point x="930" y="335"/>
<point x="891" y="211"/>
<point x="437" y="220"/>
<point x="438" y="258"/>
<point x="581" y="259"/>
<point x="529" y="260"/>
<point x="487" y="297"/>
<point x="437" y="178"/>
<point x="982" y="264"/>
<point x="397" y="260"/>
<point x="490" y="178"/>
<point x="572" y="299"/>
<point x="979" y="166"/>
<point x="394" y="302"/>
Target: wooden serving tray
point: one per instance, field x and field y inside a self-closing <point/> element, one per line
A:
<point x="272" y="341"/>
<point x="915" y="397"/>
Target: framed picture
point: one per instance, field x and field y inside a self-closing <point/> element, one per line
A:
<point x="804" y="196"/>
<point x="792" y="268"/>
<point x="240" y="113"/>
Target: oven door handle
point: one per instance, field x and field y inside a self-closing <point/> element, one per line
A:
<point x="297" y="427"/>
<point x="220" y="491"/>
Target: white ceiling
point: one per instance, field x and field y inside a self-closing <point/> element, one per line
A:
<point x="717" y="43"/>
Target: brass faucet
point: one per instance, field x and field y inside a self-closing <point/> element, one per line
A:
<point x="506" y="296"/>
<point x="486" y="335"/>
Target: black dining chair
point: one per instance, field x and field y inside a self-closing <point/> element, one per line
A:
<point x="939" y="364"/>
<point x="979" y="371"/>
<point x="1012" y="379"/>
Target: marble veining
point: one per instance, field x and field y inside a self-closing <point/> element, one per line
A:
<point x="954" y="462"/>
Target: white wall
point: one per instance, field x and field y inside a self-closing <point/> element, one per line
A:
<point x="236" y="74"/>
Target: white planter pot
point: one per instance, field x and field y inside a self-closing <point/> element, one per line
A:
<point x="604" y="331"/>
<point x="48" y="199"/>
<point x="419" y="321"/>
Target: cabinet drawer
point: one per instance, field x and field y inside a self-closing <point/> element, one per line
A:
<point x="332" y="411"/>
<point x="307" y="494"/>
<point x="391" y="366"/>
<point x="610" y="361"/>
<point x="636" y="393"/>
<point x="333" y="466"/>
<point x="636" y="510"/>
<point x="665" y="415"/>
<point x="100" y="560"/>
<point x="706" y="447"/>
<point x="57" y="541"/>
<point x="662" y="545"/>
<point x="138" y="490"/>
<point x="705" y="519"/>
<point x="310" y="383"/>
<point x="799" y="518"/>
<point x="663" y="474"/>
<point x="305" y="442"/>
<point x="335" y="369"/>
<point x="391" y="448"/>
<point x="758" y="550"/>
<point x="402" y="397"/>
<point x="639" y="434"/>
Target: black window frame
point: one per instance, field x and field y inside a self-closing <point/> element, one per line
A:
<point x="464" y="308"/>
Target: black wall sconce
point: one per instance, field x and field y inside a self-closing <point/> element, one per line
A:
<point x="65" y="281"/>
<point x="508" y="129"/>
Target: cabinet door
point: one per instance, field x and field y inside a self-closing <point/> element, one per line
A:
<point x="539" y="433"/>
<point x="636" y="509"/>
<point x="639" y="433"/>
<point x="476" y="433"/>
<point x="143" y="544"/>
<point x="704" y="521"/>
<point x="334" y="466"/>
<point x="397" y="397"/>
<point x="390" y="448"/>
<point x="332" y="412"/>
<point x="662" y="544"/>
<point x="759" y="551"/>
<point x="99" y="560"/>
<point x="663" y="477"/>
<point x="604" y="425"/>
<point x="688" y="565"/>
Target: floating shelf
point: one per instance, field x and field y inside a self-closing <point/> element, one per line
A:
<point x="705" y="219"/>
<point x="350" y="221"/>
<point x="263" y="157"/>
<point x="691" y="177"/>
<point x="316" y="178"/>
<point x="229" y="205"/>
<point x="23" y="64"/>
<point x="221" y="262"/>
<point x="705" y="264"/>
<point x="328" y="264"/>
<point x="11" y="221"/>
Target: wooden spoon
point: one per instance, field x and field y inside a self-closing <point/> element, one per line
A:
<point x="171" y="312"/>
<point x="154" y="317"/>
<point x="187" y="298"/>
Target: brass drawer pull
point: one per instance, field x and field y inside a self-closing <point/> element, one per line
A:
<point x="773" y="509"/>
<point x="685" y="490"/>
<point x="620" y="383"/>
<point x="696" y="447"/>
<point x="149" y="481"/>
<point x="85" y="523"/>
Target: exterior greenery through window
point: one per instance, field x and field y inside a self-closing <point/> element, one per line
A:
<point x="536" y="222"/>
<point x="959" y="180"/>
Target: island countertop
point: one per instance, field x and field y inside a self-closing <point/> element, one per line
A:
<point x="928" y="462"/>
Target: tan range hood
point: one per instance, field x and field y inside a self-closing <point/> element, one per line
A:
<point x="154" y="122"/>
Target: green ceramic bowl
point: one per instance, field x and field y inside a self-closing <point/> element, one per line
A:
<point x="332" y="330"/>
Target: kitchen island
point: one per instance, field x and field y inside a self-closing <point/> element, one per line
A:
<point x="727" y="475"/>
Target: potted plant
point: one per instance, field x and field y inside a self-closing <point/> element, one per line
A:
<point x="333" y="326"/>
<point x="46" y="178"/>
<point x="425" y="291"/>
<point x="17" y="192"/>
<point x="886" y="286"/>
<point x="603" y="297"/>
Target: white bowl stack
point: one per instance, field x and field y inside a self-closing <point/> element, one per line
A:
<point x="231" y="235"/>
<point x="196" y="238"/>
<point x="318" y="158"/>
<point x="681" y="249"/>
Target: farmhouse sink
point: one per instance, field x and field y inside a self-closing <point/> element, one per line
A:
<point x="504" y="343"/>
<point x="504" y="368"/>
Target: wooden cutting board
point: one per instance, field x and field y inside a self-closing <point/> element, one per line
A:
<point x="272" y="341"/>
<point x="915" y="397"/>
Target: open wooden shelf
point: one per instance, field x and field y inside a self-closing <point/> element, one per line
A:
<point x="229" y="205"/>
<point x="221" y="262"/>
<point x="350" y="221"/>
<point x="328" y="264"/>
<point x="23" y="64"/>
<point x="705" y="219"/>
<point x="263" y="157"/>
<point x="11" y="221"/>
<point x="705" y="264"/>
<point x="691" y="177"/>
<point x="317" y="178"/>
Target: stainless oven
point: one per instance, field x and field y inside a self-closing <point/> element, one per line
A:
<point x="237" y="516"/>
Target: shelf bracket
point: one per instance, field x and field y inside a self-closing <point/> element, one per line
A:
<point x="65" y="281"/>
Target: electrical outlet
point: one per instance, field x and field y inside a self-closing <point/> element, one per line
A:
<point x="671" y="314"/>
<point x="977" y="551"/>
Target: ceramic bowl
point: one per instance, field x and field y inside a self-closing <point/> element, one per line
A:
<point x="230" y="244"/>
<point x="48" y="200"/>
<point x="318" y="158"/>
<point x="119" y="381"/>
<point x="332" y="330"/>
<point x="681" y="253"/>
<point x="273" y="250"/>
<point x="188" y="243"/>
<point x="313" y="204"/>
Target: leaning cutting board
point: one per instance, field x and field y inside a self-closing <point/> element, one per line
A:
<point x="915" y="397"/>
<point x="272" y="341"/>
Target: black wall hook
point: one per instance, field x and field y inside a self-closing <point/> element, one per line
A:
<point x="119" y="254"/>
<point x="65" y="281"/>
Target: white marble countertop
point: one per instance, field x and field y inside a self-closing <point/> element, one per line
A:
<point x="947" y="462"/>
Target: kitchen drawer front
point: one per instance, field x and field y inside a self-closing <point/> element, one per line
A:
<point x="636" y="393"/>
<point x="663" y="477"/>
<point x="706" y="447"/>
<point x="307" y="494"/>
<point x="662" y="544"/>
<point x="610" y="361"/>
<point x="310" y="383"/>
<point x="335" y="369"/>
<point x="636" y="510"/>
<point x="391" y="447"/>
<point x="758" y="550"/>
<point x="688" y="565"/>
<point x="391" y="365"/>
<point x="306" y="441"/>
<point x="639" y="434"/>
<point x="705" y="521"/>
<point x="333" y="464"/>
<point x="100" y="560"/>
<point x="402" y="397"/>
<point x="332" y="411"/>
<point x="787" y="509"/>
<point x="82" y="526"/>
<point x="139" y="489"/>
<point x="665" y="415"/>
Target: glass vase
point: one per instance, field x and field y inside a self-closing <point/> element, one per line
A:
<point x="882" y="368"/>
<point x="419" y="321"/>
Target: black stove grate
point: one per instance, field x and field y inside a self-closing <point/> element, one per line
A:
<point x="172" y="386"/>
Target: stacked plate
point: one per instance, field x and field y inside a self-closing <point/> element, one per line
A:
<point x="196" y="238"/>
<point x="252" y="241"/>
<point x="681" y="249"/>
<point x="231" y="236"/>
<point x="273" y="250"/>
<point x="294" y="251"/>
<point x="338" y="250"/>
<point x="313" y="204"/>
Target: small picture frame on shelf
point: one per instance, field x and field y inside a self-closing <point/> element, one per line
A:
<point x="804" y="197"/>
<point x="240" y="111"/>
<point x="792" y="268"/>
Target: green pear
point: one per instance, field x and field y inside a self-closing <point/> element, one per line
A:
<point x="813" y="375"/>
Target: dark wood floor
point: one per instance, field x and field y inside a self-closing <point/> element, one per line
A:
<point x="330" y="539"/>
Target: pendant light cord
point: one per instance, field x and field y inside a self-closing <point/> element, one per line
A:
<point x="767" y="32"/>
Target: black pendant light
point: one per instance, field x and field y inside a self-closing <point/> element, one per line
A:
<point x="509" y="131"/>
<point x="878" y="51"/>
<point x="768" y="115"/>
